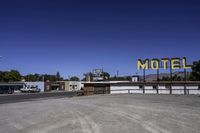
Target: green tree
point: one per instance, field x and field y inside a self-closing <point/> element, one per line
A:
<point x="196" y="70"/>
<point x="129" y="78"/>
<point x="50" y="77"/>
<point x="74" y="78"/>
<point x="1" y="76"/>
<point x="84" y="79"/>
<point x="115" y="78"/>
<point x="165" y="78"/>
<point x="32" y="77"/>
<point x="58" y="76"/>
<point x="10" y="76"/>
<point x="179" y="78"/>
<point x="174" y="77"/>
<point x="105" y="75"/>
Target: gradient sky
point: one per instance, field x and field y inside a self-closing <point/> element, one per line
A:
<point x="76" y="36"/>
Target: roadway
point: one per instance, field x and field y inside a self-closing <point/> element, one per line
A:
<point x="21" y="97"/>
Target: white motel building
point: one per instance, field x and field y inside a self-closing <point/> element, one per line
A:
<point x="154" y="87"/>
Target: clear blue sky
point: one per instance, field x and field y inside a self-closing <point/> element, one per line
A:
<point x="75" y="36"/>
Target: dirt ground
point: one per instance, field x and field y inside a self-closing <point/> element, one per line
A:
<point x="119" y="113"/>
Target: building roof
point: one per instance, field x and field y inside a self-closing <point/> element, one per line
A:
<point x="146" y="83"/>
<point x="11" y="83"/>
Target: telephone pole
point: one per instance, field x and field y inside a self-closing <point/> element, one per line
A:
<point x="1" y="57"/>
<point x="0" y="70"/>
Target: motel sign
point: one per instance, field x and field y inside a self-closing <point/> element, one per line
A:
<point x="165" y="63"/>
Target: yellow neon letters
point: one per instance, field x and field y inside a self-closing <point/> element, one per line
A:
<point x="155" y="64"/>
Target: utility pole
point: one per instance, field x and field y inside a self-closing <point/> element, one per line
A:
<point x="1" y="57"/>
<point x="171" y="76"/>
<point x="158" y="75"/>
<point x="117" y="73"/>
<point x="2" y="78"/>
<point x="185" y="79"/>
<point x="144" y="75"/>
<point x="185" y="75"/>
<point x="28" y="77"/>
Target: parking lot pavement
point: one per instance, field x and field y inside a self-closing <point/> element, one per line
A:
<point x="124" y="113"/>
<point x="21" y="97"/>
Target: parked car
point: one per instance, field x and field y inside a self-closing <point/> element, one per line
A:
<point x="30" y="90"/>
<point x="17" y="91"/>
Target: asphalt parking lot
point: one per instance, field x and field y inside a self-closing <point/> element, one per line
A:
<point x="21" y="97"/>
<point x="124" y="113"/>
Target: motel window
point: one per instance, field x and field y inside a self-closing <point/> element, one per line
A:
<point x="140" y="87"/>
<point x="167" y="86"/>
<point x="154" y="86"/>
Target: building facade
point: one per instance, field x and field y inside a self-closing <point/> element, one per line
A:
<point x="73" y="85"/>
<point x="91" y="88"/>
<point x="39" y="85"/>
<point x="54" y="86"/>
<point x="11" y="87"/>
<point x="63" y="86"/>
<point x="176" y="87"/>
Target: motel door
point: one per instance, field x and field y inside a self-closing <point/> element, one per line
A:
<point x="99" y="90"/>
<point x="55" y="87"/>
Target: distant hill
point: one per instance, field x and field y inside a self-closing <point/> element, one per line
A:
<point x="153" y="77"/>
